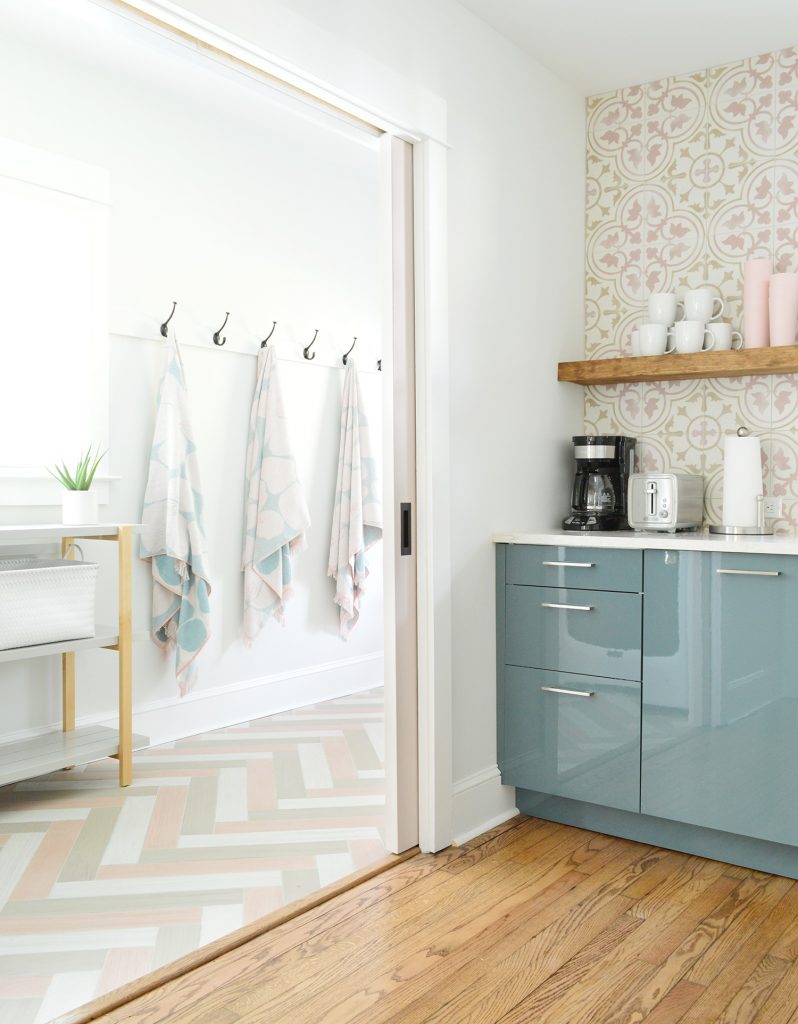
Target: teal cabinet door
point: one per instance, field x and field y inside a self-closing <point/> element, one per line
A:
<point x="579" y="568"/>
<point x="592" y="632"/>
<point x="720" y="692"/>
<point x="572" y="735"/>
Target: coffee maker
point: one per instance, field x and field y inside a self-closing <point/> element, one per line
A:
<point x="598" y="499"/>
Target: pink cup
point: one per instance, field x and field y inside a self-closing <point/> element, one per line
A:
<point x="756" y="286"/>
<point x="783" y="309"/>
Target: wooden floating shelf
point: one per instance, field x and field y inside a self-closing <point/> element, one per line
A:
<point x="636" y="369"/>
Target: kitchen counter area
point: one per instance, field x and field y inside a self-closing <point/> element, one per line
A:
<point x="779" y="544"/>
<point x="647" y="688"/>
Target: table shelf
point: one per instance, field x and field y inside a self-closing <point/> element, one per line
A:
<point x="25" y="759"/>
<point x="106" y="636"/>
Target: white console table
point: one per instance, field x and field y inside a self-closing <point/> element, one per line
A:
<point x="27" y="758"/>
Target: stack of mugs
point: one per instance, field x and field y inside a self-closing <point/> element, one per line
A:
<point x="688" y="327"/>
<point x="770" y="305"/>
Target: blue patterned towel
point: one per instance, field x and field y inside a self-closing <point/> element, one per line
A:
<point x="357" y="514"/>
<point x="173" y="539"/>
<point x="275" y="514"/>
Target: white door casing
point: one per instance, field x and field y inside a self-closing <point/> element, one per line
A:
<point x="420" y="118"/>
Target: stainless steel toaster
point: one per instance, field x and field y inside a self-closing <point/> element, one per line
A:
<point x="666" y="501"/>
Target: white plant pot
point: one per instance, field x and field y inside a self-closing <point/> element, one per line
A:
<point x="79" y="508"/>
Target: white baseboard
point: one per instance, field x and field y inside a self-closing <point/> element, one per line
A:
<point x="480" y="802"/>
<point x="218" y="707"/>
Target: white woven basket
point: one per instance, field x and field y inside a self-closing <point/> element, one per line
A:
<point x="43" y="602"/>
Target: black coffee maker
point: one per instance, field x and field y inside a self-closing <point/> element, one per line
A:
<point x="603" y="465"/>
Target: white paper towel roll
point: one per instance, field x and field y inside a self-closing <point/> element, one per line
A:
<point x="742" y="479"/>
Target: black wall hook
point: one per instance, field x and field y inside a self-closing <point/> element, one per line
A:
<point x="306" y="351"/>
<point x="347" y="354"/>
<point x="217" y="335"/>
<point x="165" y="324"/>
<point x="379" y="364"/>
<point x="271" y="332"/>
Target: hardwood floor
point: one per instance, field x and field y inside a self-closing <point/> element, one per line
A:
<point x="533" y="922"/>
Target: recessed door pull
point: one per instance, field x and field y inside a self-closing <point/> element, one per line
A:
<point x="571" y="693"/>
<point x="572" y="565"/>
<point x="405" y="528"/>
<point x="568" y="607"/>
<point x="748" y="572"/>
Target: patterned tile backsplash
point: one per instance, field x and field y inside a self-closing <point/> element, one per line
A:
<point x="686" y="179"/>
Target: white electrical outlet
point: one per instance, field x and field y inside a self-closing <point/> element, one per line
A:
<point x="772" y="508"/>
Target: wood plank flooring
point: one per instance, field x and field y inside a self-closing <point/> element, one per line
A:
<point x="532" y="922"/>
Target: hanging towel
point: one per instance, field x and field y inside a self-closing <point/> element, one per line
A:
<point x="173" y="539"/>
<point x="275" y="513"/>
<point x="357" y="515"/>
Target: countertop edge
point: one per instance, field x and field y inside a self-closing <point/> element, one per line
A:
<point x="779" y="544"/>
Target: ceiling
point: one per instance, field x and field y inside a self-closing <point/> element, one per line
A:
<point x="600" y="45"/>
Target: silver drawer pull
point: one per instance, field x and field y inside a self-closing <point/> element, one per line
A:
<point x="571" y="693"/>
<point x="748" y="572"/>
<point x="568" y="607"/>
<point x="572" y="565"/>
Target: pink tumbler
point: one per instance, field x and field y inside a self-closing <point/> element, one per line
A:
<point x="756" y="279"/>
<point x="783" y="309"/>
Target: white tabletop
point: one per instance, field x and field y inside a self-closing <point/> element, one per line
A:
<point x="56" y="531"/>
<point x="781" y="544"/>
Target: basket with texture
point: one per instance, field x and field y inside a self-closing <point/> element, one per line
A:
<point x="46" y="601"/>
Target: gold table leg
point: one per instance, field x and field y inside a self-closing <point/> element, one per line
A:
<point x="67" y="668"/>
<point x="125" y="654"/>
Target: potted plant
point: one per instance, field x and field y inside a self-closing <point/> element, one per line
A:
<point x="79" y="503"/>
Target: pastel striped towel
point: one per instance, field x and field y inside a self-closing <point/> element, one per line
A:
<point x="357" y="513"/>
<point x="173" y="538"/>
<point x="275" y="514"/>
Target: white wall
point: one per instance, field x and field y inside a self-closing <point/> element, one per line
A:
<point x="223" y="199"/>
<point x="515" y="212"/>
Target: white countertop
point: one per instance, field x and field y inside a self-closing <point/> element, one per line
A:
<point x="780" y="544"/>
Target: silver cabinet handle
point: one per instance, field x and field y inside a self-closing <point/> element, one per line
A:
<point x="568" y="607"/>
<point x="748" y="572"/>
<point x="571" y="693"/>
<point x="572" y="565"/>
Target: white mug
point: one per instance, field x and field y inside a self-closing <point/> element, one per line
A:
<point x="662" y="308"/>
<point x="635" y="340"/>
<point x="724" y="337"/>
<point x="691" y="336"/>
<point x="654" y="340"/>
<point x="699" y="304"/>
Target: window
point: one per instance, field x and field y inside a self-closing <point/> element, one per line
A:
<point x="53" y="317"/>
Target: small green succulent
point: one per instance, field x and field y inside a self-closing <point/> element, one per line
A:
<point x="80" y="479"/>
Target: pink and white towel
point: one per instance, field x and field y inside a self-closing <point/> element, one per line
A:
<point x="357" y="514"/>
<point x="275" y="514"/>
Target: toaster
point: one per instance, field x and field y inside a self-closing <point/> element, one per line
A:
<point x="666" y="501"/>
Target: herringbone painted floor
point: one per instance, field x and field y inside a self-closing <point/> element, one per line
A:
<point x="99" y="885"/>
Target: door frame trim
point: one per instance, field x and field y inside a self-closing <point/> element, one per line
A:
<point x="418" y="117"/>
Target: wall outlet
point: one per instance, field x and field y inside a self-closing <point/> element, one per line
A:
<point x="772" y="508"/>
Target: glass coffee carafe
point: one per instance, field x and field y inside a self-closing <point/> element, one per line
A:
<point x="602" y="464"/>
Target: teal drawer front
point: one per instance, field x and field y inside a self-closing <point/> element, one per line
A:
<point x="591" y="632"/>
<point x="583" y="568"/>
<point x="571" y="744"/>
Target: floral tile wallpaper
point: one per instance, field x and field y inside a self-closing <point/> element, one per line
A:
<point x="686" y="179"/>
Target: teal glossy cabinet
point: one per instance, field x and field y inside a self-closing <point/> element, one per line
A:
<point x="572" y="735"/>
<point x="720" y="692"/>
<point x="569" y="666"/>
<point x="585" y="631"/>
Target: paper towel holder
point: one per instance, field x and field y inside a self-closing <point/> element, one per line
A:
<point x="762" y="529"/>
